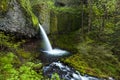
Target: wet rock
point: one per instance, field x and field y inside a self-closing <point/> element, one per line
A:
<point x="65" y="72"/>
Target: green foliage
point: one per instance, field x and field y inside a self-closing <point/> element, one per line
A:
<point x="73" y="10"/>
<point x="55" y="76"/>
<point x="94" y="54"/>
<point x="7" y="41"/>
<point x="26" y="71"/>
<point x="7" y="69"/>
<point x="27" y="6"/>
<point x="110" y="5"/>
<point x="3" y="6"/>
<point x="36" y="2"/>
<point x="13" y="65"/>
<point x="100" y="39"/>
<point x="95" y="60"/>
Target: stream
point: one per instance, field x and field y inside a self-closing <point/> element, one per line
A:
<point x="65" y="72"/>
<point x="51" y="57"/>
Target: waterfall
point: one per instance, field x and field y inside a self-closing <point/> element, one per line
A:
<point x="47" y="45"/>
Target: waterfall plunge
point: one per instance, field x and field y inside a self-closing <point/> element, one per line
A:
<point x="47" y="46"/>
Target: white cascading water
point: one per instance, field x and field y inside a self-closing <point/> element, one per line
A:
<point x="47" y="46"/>
<point x="66" y="72"/>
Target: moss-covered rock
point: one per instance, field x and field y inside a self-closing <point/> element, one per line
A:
<point x="57" y="19"/>
<point x="42" y="10"/>
<point x="53" y="22"/>
<point x="15" y="20"/>
<point x="68" y="22"/>
<point x="65" y="19"/>
<point x="3" y="6"/>
<point x="28" y="8"/>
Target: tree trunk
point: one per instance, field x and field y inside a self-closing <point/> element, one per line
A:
<point x="89" y="15"/>
<point x="82" y="15"/>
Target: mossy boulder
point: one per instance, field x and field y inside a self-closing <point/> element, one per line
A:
<point x="13" y="19"/>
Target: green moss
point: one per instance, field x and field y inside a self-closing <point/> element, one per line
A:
<point x="77" y="63"/>
<point x="26" y="71"/>
<point x="14" y="63"/>
<point x="55" y="76"/>
<point x="65" y="41"/>
<point x="3" y="6"/>
<point x="95" y="60"/>
<point x="27" y="6"/>
<point x="8" y="43"/>
<point x="53" y="22"/>
<point x="68" y="22"/>
<point x="64" y="9"/>
<point x="90" y="58"/>
<point x="64" y="19"/>
<point x="24" y="54"/>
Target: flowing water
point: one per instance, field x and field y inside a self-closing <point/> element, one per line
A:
<point x="65" y="72"/>
<point x="47" y="46"/>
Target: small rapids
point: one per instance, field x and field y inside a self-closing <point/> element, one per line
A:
<point x="65" y="72"/>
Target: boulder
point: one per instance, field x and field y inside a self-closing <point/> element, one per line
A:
<point x="14" y="19"/>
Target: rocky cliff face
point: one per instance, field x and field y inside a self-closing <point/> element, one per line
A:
<point x="65" y="17"/>
<point x="14" y="20"/>
<point x="13" y="17"/>
<point x="42" y="11"/>
<point x="61" y="17"/>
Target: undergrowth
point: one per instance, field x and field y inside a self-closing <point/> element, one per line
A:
<point x="18" y="64"/>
